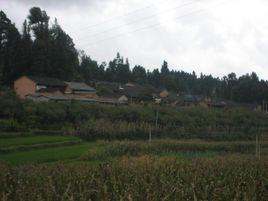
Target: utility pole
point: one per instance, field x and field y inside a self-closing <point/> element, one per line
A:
<point x="258" y="145"/>
<point x="259" y="156"/>
<point x="150" y="134"/>
<point x="264" y="106"/>
<point x="156" y="119"/>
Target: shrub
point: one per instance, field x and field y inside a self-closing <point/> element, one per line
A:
<point x="10" y="125"/>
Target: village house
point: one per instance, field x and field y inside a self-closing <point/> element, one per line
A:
<point x="80" y="89"/>
<point x="128" y="92"/>
<point x="41" y="89"/>
<point x="33" y="87"/>
<point x="30" y="85"/>
<point x="137" y="93"/>
<point x="194" y="100"/>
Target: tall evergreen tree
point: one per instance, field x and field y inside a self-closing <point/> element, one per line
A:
<point x="26" y="50"/>
<point x="139" y="74"/>
<point x="63" y="55"/>
<point x="88" y="68"/>
<point x="9" y="50"/>
<point x="123" y="73"/>
<point x="38" y="22"/>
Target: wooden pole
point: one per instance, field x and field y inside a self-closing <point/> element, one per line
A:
<point x="256" y="146"/>
<point x="259" y="146"/>
<point x="150" y="133"/>
<point x="259" y="156"/>
<point x="156" y="119"/>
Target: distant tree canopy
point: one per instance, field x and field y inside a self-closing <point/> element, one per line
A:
<point x="46" y="50"/>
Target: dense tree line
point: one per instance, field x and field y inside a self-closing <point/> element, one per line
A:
<point x="40" y="49"/>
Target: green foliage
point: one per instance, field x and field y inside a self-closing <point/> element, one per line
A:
<point x="9" y="50"/>
<point x="95" y="129"/>
<point x="31" y="140"/>
<point x="42" y="153"/>
<point x="10" y="125"/>
<point x="133" y="121"/>
<point x="170" y="147"/>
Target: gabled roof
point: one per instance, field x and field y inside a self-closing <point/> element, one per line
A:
<point x="47" y="81"/>
<point x="80" y="86"/>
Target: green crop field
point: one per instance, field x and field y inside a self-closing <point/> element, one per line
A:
<point x="40" y="149"/>
<point x="46" y="155"/>
<point x="43" y="149"/>
<point x="29" y="140"/>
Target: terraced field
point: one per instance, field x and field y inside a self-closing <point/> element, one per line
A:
<point x="47" y="149"/>
<point x="40" y="149"/>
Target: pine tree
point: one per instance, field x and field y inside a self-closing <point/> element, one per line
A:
<point x="26" y="50"/>
<point x="63" y="55"/>
<point x="38" y="22"/>
<point x="9" y="50"/>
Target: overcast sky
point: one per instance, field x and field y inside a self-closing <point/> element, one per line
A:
<point x="210" y="36"/>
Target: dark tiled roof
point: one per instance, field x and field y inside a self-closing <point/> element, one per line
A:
<point x="137" y="91"/>
<point x="80" y="86"/>
<point x="193" y="98"/>
<point x="48" y="81"/>
<point x="111" y="95"/>
<point x="48" y="90"/>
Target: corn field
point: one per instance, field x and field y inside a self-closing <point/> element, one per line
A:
<point x="139" y="178"/>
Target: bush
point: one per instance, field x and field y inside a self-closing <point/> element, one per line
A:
<point x="10" y="125"/>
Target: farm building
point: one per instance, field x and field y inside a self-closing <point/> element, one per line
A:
<point x="41" y="89"/>
<point x="80" y="89"/>
<point x="29" y="85"/>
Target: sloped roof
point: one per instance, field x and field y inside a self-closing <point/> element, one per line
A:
<point x="80" y="86"/>
<point x="111" y="95"/>
<point x="48" y="90"/>
<point x="113" y="86"/>
<point x="50" y="97"/>
<point x="137" y="91"/>
<point x="48" y="81"/>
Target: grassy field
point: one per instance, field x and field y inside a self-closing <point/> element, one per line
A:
<point x="29" y="140"/>
<point x="40" y="149"/>
<point x="46" y="155"/>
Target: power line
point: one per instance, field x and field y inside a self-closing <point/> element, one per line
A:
<point x="151" y="26"/>
<point x="119" y="16"/>
<point x="139" y="20"/>
<point x="133" y="22"/>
